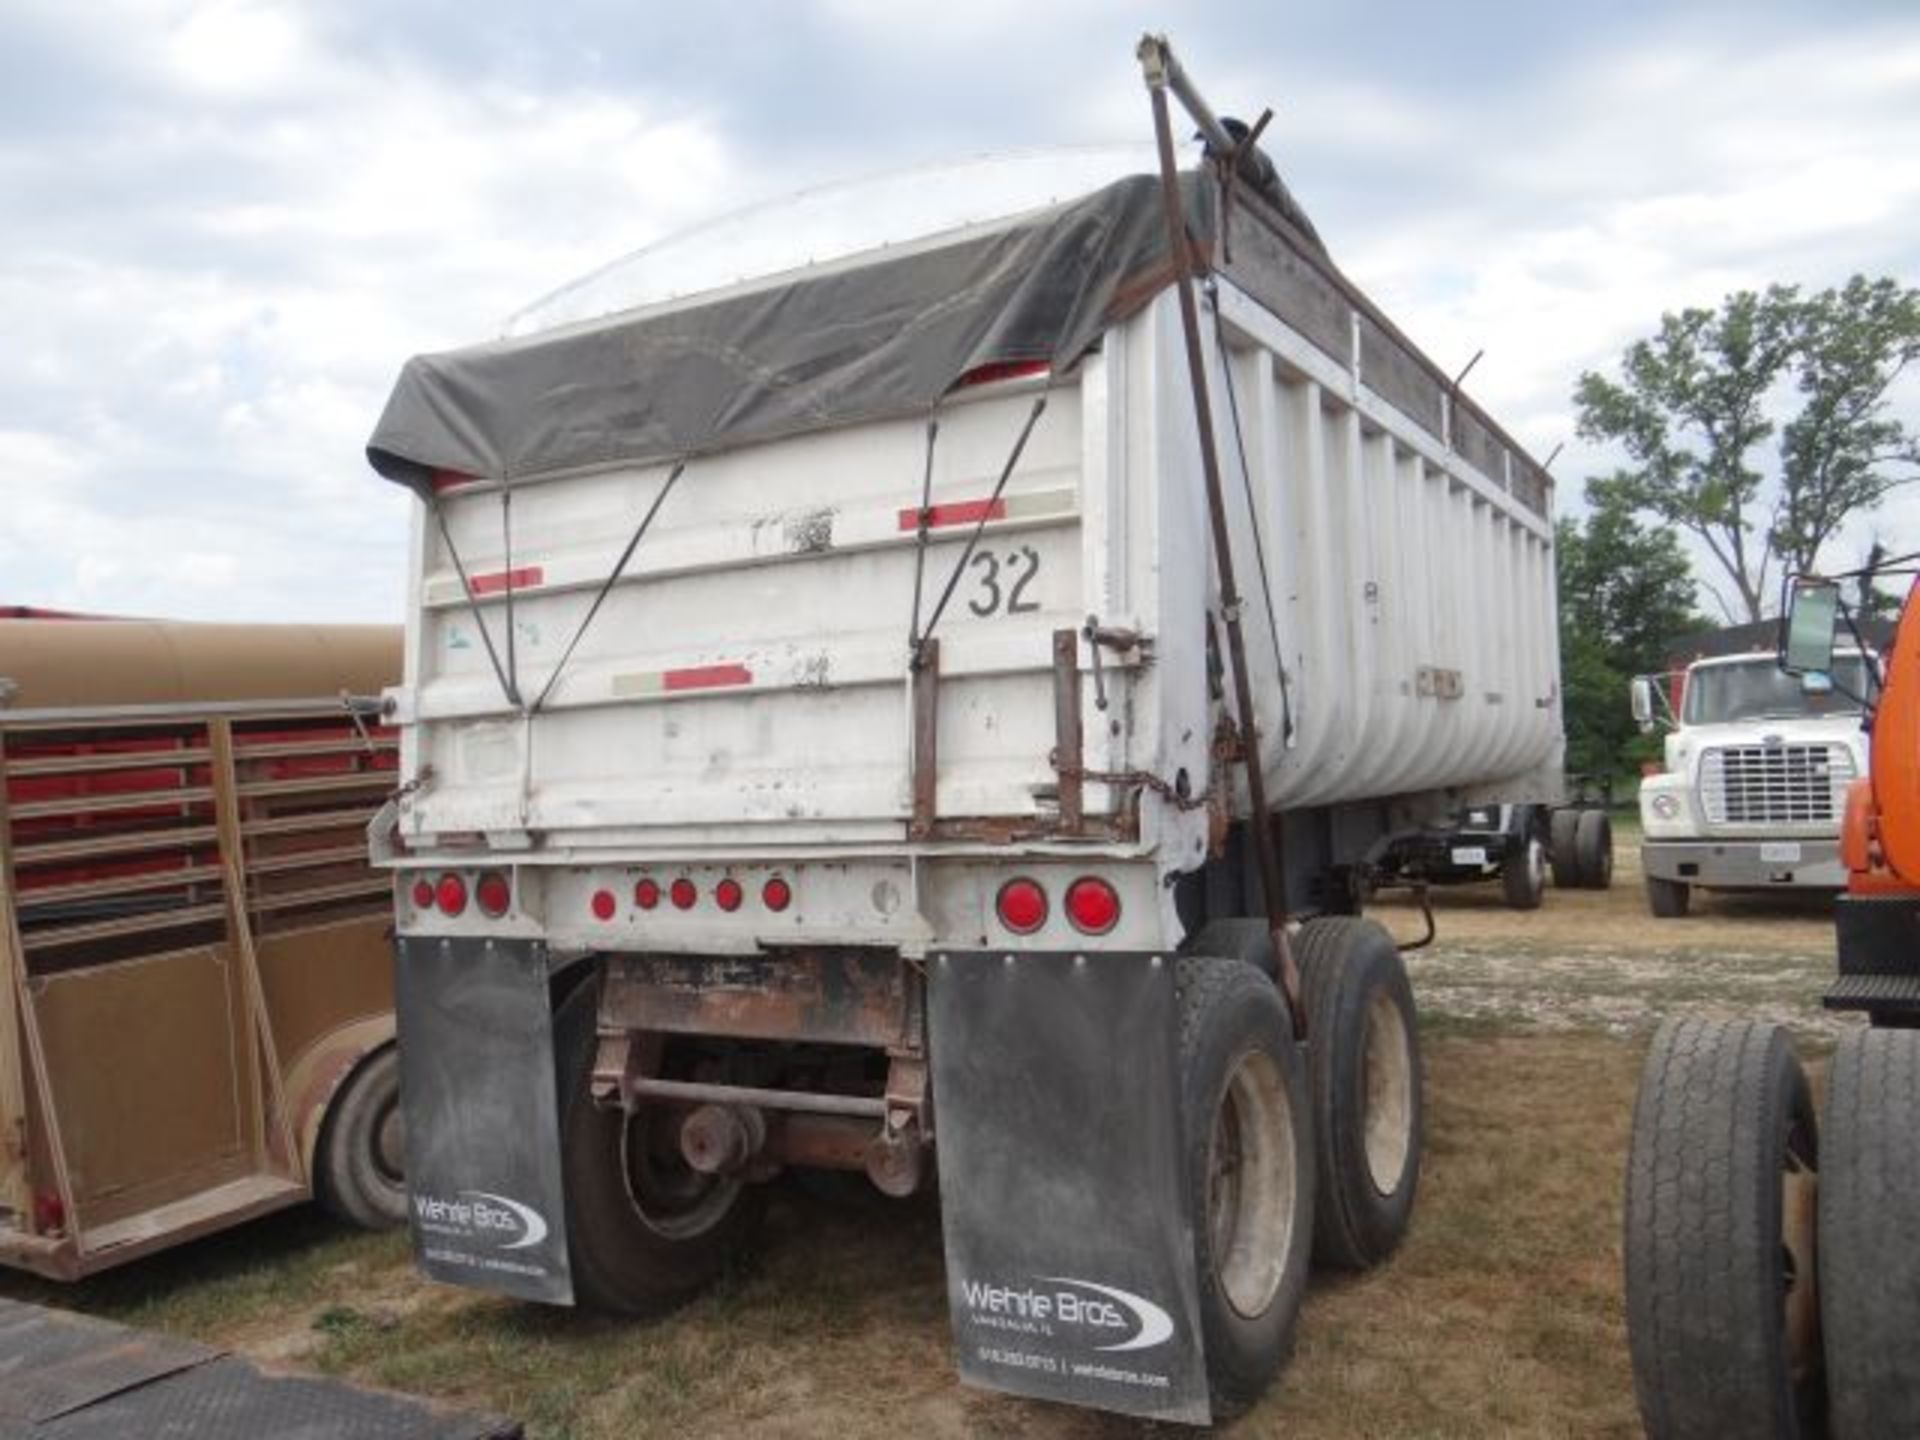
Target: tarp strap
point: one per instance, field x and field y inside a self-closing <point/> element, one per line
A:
<point x="506" y="542"/>
<point x="606" y="587"/>
<point x="920" y="537"/>
<point x="986" y="514"/>
<point x="1253" y="514"/>
<point x="507" y="686"/>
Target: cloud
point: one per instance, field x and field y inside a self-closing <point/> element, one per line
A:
<point x="229" y="221"/>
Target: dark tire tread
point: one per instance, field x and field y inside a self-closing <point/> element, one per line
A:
<point x="1702" y="1236"/>
<point x="1354" y="1227"/>
<point x="1869" y="1221"/>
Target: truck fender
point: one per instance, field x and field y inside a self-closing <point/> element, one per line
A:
<point x="315" y="1077"/>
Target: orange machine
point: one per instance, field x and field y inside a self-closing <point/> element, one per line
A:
<point x="1877" y="920"/>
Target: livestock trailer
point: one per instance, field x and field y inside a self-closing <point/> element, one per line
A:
<point x="833" y="735"/>
<point x="196" y="1014"/>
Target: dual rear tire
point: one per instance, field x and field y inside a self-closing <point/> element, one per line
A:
<point x="1581" y="843"/>
<point x="1293" y="1155"/>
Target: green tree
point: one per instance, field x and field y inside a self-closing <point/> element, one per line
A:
<point x="1626" y="599"/>
<point x="1697" y="404"/>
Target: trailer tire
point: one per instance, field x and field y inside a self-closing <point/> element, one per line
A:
<point x="1249" y="941"/>
<point x="1562" y="838"/>
<point x="1869" y="1214"/>
<point x="1363" y="1064"/>
<point x="624" y="1259"/>
<point x="1248" y="1154"/>
<point x="360" y="1161"/>
<point x="1668" y="899"/>
<point x="1719" y="1208"/>
<point x="1593" y="850"/>
<point x="1523" y="874"/>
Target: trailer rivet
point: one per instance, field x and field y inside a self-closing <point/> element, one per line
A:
<point x="1156" y="962"/>
<point x="1008" y="960"/>
<point x="1079" y="962"/>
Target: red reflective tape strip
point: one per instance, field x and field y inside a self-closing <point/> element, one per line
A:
<point x="502" y="580"/>
<point x="707" y="677"/>
<point x="958" y="512"/>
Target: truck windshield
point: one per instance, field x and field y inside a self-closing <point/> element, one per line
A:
<point x="1759" y="690"/>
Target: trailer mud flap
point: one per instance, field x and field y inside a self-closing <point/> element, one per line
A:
<point x="477" y="1088"/>
<point x="1069" y="1243"/>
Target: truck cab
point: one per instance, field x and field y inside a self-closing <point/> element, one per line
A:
<point x="1757" y="766"/>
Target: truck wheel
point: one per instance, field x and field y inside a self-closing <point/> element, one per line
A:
<point x="1562" y="837"/>
<point x="1593" y="850"/>
<point x="1363" y="1062"/>
<point x="1523" y="874"/>
<point x="1668" y="899"/>
<point x="1869" y="1215"/>
<point x="645" y="1232"/>
<point x="1246" y="1122"/>
<point x="1722" y="1296"/>
<point x="1246" y="940"/>
<point x="360" y="1162"/>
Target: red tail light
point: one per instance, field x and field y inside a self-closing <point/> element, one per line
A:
<point x="1093" y="905"/>
<point x="683" y="893"/>
<point x="452" y="894"/>
<point x="728" y="894"/>
<point x="1022" y="906"/>
<point x="423" y="894"/>
<point x="493" y="893"/>
<point x="646" y="894"/>
<point x="776" y="894"/>
<point x="604" y="905"/>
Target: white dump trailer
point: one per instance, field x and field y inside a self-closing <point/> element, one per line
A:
<point x="822" y="748"/>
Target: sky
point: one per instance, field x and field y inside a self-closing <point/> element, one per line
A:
<point x="224" y="224"/>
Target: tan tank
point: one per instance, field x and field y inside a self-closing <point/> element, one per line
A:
<point x="47" y="664"/>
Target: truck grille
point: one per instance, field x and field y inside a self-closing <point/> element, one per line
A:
<point x="1774" y="784"/>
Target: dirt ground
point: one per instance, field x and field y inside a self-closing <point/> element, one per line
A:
<point x="1598" y="960"/>
<point x="1501" y="1316"/>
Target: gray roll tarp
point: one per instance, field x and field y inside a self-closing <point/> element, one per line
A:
<point x="879" y="339"/>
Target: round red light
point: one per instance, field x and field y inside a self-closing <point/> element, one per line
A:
<point x="493" y="893"/>
<point x="776" y="894"/>
<point x="646" y="894"/>
<point x="683" y="893"/>
<point x="423" y="894"/>
<point x="604" y="904"/>
<point x="1022" y="905"/>
<point x="452" y="894"/>
<point x="729" y="894"/>
<point x="1093" y="905"/>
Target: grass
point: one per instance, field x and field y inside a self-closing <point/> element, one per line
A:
<point x="1500" y="1316"/>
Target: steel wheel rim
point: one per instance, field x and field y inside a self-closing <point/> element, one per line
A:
<point x="1536" y="865"/>
<point x="669" y="1196"/>
<point x="1387" y="1092"/>
<point x="390" y="1143"/>
<point x="1250" y="1184"/>
<point x="1799" y="1267"/>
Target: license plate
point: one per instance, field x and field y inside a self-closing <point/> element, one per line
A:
<point x="1469" y="855"/>
<point x="1780" y="852"/>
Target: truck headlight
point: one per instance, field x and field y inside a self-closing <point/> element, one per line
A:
<point x="1665" y="807"/>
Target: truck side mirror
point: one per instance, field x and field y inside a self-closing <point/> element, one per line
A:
<point x="1806" y="646"/>
<point x="1641" y="693"/>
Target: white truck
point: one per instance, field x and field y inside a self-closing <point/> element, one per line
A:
<point x="1755" y="781"/>
<point x="834" y="736"/>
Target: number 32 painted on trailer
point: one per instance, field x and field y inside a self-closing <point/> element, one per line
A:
<point x="1021" y="566"/>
